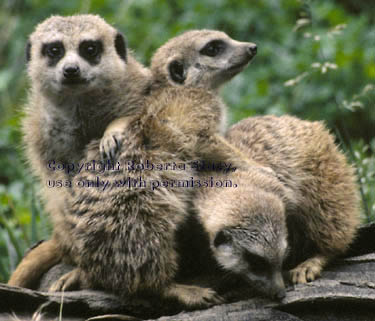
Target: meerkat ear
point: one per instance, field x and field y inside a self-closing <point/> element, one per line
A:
<point x="28" y="51"/>
<point x="176" y="70"/>
<point x="222" y="237"/>
<point x="120" y="45"/>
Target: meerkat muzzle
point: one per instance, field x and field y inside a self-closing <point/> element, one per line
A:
<point x="252" y="50"/>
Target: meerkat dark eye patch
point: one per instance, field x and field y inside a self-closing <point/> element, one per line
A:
<point x="213" y="48"/>
<point x="91" y="50"/>
<point x="177" y="71"/>
<point x="257" y="263"/>
<point x="120" y="45"/>
<point x="54" y="51"/>
<point x="222" y="238"/>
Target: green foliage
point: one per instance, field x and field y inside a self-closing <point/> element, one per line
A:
<point x="315" y="60"/>
<point x="364" y="158"/>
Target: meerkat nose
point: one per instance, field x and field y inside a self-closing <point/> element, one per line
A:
<point x="280" y="294"/>
<point x="277" y="287"/>
<point x="252" y="49"/>
<point x="71" y="71"/>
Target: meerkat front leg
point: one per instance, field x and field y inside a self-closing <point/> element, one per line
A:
<point x="217" y="149"/>
<point x="73" y="280"/>
<point x="113" y="137"/>
<point x="192" y="296"/>
<point x="308" y="270"/>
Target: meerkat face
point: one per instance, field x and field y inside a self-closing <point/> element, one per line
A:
<point x="75" y="55"/>
<point x="202" y="58"/>
<point x="255" y="249"/>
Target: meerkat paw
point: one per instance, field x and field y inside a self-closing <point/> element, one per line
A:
<point x="194" y="296"/>
<point x="110" y="144"/>
<point x="73" y="280"/>
<point x="308" y="271"/>
<point x="113" y="137"/>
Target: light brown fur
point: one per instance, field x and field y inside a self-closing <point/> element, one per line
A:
<point x="35" y="263"/>
<point x="190" y="121"/>
<point x="180" y="62"/>
<point x="317" y="191"/>
<point x="178" y="124"/>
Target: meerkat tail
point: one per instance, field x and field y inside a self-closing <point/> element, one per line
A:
<point x="39" y="260"/>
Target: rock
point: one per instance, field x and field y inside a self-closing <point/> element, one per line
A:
<point x="346" y="291"/>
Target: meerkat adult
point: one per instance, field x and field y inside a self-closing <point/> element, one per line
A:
<point x="82" y="78"/>
<point x="312" y="204"/>
<point x="204" y="59"/>
<point x="123" y="239"/>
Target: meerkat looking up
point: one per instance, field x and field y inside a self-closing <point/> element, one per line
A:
<point x="204" y="59"/>
<point x="312" y="204"/>
<point x="82" y="78"/>
<point x="123" y="240"/>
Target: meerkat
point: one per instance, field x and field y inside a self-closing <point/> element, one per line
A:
<point x="123" y="239"/>
<point x="82" y="78"/>
<point x="301" y="218"/>
<point x="204" y="59"/>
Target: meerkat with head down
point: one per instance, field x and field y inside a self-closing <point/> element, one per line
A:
<point x="82" y="78"/>
<point x="300" y="219"/>
<point x="124" y="239"/>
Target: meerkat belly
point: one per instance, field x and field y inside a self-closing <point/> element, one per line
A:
<point x="124" y="233"/>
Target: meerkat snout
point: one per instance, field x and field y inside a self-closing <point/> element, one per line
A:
<point x="277" y="288"/>
<point x="267" y="282"/>
<point x="252" y="49"/>
<point x="71" y="72"/>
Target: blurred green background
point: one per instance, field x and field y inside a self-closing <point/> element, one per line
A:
<point x="316" y="60"/>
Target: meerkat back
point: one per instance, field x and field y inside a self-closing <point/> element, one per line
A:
<point x="307" y="161"/>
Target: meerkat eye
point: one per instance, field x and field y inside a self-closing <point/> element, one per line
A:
<point x="257" y="263"/>
<point x="53" y="50"/>
<point x="213" y="48"/>
<point x="90" y="49"/>
<point x="222" y="238"/>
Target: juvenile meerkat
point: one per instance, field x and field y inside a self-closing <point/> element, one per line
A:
<point x="82" y="78"/>
<point x="123" y="239"/>
<point x="312" y="204"/>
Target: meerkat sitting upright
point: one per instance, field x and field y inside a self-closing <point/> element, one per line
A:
<point x="123" y="239"/>
<point x="82" y="78"/>
<point x="312" y="204"/>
